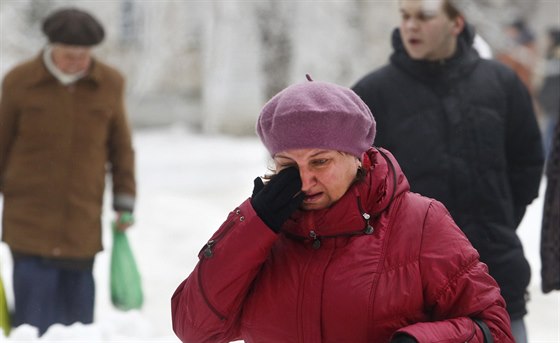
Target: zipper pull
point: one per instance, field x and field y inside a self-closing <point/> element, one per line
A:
<point x="208" y="250"/>
<point x="316" y="242"/>
<point x="369" y="229"/>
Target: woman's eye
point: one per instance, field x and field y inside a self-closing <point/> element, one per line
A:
<point x="320" y="162"/>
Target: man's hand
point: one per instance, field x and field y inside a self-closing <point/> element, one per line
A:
<point x="124" y="220"/>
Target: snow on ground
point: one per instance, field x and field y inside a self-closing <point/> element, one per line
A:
<point x="187" y="185"/>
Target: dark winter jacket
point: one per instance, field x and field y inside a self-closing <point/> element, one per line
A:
<point x="56" y="144"/>
<point x="465" y="133"/>
<point x="550" y="235"/>
<point x="549" y="94"/>
<point x="416" y="273"/>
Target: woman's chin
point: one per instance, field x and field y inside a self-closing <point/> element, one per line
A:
<point x="317" y="204"/>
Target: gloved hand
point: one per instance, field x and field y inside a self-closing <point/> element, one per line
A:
<point x="276" y="201"/>
<point x="403" y="338"/>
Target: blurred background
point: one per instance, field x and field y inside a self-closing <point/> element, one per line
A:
<point x="214" y="63"/>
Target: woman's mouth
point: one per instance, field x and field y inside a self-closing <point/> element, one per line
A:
<point x="312" y="197"/>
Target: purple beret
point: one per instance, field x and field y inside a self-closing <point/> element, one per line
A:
<point x="316" y="115"/>
<point x="72" y="26"/>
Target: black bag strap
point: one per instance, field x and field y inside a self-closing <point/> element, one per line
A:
<point x="485" y="330"/>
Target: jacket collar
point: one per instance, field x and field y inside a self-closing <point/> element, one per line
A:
<point x="383" y="182"/>
<point x="41" y="73"/>
<point x="64" y="78"/>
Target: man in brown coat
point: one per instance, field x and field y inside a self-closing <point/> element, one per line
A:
<point x="63" y="126"/>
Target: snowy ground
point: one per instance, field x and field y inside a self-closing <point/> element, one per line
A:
<point x="187" y="185"/>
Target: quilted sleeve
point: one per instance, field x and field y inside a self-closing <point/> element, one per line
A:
<point x="206" y="306"/>
<point x="456" y="286"/>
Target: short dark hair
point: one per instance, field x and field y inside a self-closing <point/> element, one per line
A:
<point x="450" y="9"/>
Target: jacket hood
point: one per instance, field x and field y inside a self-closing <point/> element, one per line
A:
<point x="461" y="63"/>
<point x="372" y="196"/>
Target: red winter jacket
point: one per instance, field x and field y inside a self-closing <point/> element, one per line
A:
<point x="327" y="278"/>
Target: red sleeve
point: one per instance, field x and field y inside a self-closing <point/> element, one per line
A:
<point x="206" y="306"/>
<point x="457" y="286"/>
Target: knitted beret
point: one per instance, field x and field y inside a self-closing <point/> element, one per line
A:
<point x="316" y="115"/>
<point x="72" y="26"/>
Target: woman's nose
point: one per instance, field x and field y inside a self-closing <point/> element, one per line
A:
<point x="308" y="179"/>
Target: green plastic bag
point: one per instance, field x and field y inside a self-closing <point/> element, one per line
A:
<point x="5" y="322"/>
<point x="126" y="285"/>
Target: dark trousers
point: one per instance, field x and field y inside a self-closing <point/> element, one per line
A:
<point x="45" y="294"/>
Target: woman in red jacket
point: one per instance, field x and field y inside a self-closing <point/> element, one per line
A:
<point x="334" y="247"/>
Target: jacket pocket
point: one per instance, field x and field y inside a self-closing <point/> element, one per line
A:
<point x="37" y="124"/>
<point x="93" y="124"/>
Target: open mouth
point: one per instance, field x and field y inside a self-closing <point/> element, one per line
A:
<point x="414" y="41"/>
<point x="313" y="197"/>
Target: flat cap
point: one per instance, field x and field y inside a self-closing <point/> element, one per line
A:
<point x="72" y="26"/>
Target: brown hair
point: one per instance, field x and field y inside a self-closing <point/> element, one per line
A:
<point x="450" y="9"/>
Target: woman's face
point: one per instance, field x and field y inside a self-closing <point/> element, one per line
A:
<point x="325" y="174"/>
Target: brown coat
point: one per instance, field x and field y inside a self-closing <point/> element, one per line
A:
<point x="56" y="145"/>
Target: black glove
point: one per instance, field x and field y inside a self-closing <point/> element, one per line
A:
<point x="276" y="201"/>
<point x="403" y="338"/>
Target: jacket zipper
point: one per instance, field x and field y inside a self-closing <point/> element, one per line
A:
<point x="316" y="242"/>
<point x="207" y="253"/>
<point x="207" y="248"/>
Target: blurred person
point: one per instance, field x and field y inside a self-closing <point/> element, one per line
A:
<point x="520" y="52"/>
<point x="550" y="232"/>
<point x="549" y="92"/>
<point x="464" y="131"/>
<point x="333" y="246"/>
<point x="62" y="125"/>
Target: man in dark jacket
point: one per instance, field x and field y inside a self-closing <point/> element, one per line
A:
<point x="465" y="133"/>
